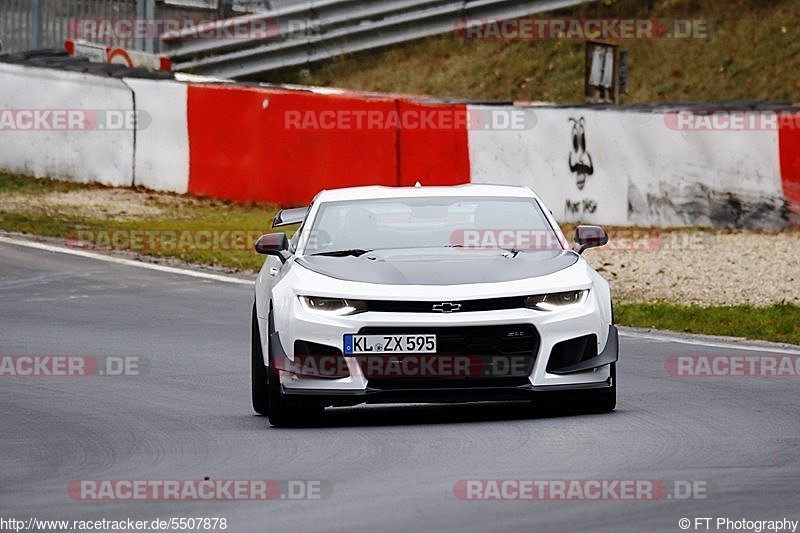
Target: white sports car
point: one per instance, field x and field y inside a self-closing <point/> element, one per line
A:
<point x="428" y="294"/>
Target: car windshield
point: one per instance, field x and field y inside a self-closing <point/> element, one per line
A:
<point x="360" y="226"/>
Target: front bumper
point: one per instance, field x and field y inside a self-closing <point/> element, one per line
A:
<point x="552" y="328"/>
<point x="343" y="398"/>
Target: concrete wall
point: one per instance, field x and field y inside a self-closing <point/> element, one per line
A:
<point x="597" y="165"/>
<point x="636" y="168"/>
<point x="162" y="138"/>
<point x="99" y="151"/>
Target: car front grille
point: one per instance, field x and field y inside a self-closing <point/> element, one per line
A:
<point x="495" y="356"/>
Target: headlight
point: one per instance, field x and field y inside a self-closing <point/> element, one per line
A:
<point x="333" y="306"/>
<point x="557" y="300"/>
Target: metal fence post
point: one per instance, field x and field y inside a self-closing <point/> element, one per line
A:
<point x="145" y="10"/>
<point x="150" y="12"/>
<point x="36" y="14"/>
<point x="225" y="9"/>
<point x="141" y="9"/>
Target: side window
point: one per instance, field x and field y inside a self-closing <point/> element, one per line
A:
<point x="296" y="237"/>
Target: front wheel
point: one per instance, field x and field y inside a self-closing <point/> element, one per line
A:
<point x="298" y="413"/>
<point x="258" y="372"/>
<point x="580" y="401"/>
<point x="282" y="412"/>
<point x="604" y="400"/>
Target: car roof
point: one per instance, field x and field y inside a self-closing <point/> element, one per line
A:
<point x="467" y="190"/>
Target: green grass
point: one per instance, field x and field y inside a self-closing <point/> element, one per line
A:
<point x="15" y="183"/>
<point x="180" y="213"/>
<point x="778" y="323"/>
<point x="753" y="52"/>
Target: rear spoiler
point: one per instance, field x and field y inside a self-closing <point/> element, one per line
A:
<point x="290" y="217"/>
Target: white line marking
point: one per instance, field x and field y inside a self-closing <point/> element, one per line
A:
<point x="237" y="281"/>
<point x="715" y="344"/>
<point x="126" y="262"/>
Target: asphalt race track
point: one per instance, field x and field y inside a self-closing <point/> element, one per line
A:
<point x="188" y="416"/>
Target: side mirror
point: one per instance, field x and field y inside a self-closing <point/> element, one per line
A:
<point x="274" y="244"/>
<point x="589" y="237"/>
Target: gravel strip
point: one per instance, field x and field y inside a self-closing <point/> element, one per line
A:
<point x="119" y="204"/>
<point x="704" y="268"/>
<point x="682" y="266"/>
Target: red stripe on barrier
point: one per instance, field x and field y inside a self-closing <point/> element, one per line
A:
<point x="118" y="56"/>
<point x="434" y="155"/>
<point x="249" y="144"/>
<point x="241" y="148"/>
<point x="789" y="140"/>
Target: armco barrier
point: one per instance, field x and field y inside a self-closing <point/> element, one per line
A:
<point x="243" y="148"/>
<point x="635" y="168"/>
<point x="99" y="152"/>
<point x="615" y="166"/>
<point x="540" y="157"/>
<point x="162" y="148"/>
<point x="260" y="144"/>
<point x="790" y="168"/>
<point x="434" y="156"/>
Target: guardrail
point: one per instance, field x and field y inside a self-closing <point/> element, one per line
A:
<point x="323" y="29"/>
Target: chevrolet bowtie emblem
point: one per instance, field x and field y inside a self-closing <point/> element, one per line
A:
<point x="446" y="307"/>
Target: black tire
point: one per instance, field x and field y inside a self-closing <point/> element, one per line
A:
<point x="282" y="412"/>
<point x="258" y="372"/>
<point x="294" y="413"/>
<point x="605" y="400"/>
<point x="580" y="401"/>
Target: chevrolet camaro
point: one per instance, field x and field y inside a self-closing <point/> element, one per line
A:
<point x="425" y="295"/>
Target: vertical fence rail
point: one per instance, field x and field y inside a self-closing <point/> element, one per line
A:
<point x="15" y="23"/>
<point x="35" y="24"/>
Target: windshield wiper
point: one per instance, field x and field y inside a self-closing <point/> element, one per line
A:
<point x="355" y="252"/>
<point x="513" y="251"/>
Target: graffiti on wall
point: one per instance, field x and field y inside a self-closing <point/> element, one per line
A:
<point x="581" y="166"/>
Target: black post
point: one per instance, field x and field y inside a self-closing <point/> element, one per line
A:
<point x="225" y="9"/>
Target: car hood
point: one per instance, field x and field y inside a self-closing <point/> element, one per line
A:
<point x="445" y="266"/>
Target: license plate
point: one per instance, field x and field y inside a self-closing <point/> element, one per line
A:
<point x="378" y="344"/>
